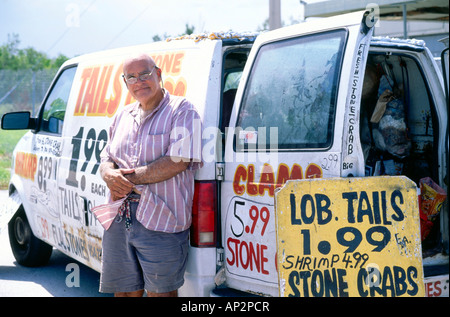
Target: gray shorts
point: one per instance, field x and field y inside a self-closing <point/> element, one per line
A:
<point x="139" y="258"/>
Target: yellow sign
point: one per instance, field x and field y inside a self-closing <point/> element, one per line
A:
<point x="355" y="237"/>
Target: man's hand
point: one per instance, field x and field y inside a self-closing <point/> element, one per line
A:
<point x="116" y="181"/>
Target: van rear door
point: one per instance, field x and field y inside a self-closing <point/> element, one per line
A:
<point x="287" y="123"/>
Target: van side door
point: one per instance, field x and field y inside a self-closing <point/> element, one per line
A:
<point x="287" y="123"/>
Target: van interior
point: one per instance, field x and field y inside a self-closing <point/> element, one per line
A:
<point x="399" y="131"/>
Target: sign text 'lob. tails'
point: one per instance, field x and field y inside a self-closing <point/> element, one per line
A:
<point x="349" y="237"/>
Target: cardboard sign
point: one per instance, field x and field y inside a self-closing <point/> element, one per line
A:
<point x="349" y="237"/>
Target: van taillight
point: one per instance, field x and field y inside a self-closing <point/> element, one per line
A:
<point x="203" y="228"/>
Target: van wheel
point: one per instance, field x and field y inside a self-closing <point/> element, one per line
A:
<point x="27" y="249"/>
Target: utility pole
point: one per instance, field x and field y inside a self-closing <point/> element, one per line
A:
<point x="274" y="14"/>
<point x="405" y="24"/>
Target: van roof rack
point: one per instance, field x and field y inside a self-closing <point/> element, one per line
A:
<point x="412" y="44"/>
<point x="224" y="36"/>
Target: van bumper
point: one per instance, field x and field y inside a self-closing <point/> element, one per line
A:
<point x="200" y="272"/>
<point x="436" y="286"/>
<point x="230" y="292"/>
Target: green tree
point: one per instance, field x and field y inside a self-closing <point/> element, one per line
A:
<point x="14" y="58"/>
<point x="189" y="29"/>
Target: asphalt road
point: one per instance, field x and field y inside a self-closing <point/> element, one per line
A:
<point x="61" y="277"/>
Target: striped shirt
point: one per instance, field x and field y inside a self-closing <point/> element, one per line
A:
<point x="172" y="129"/>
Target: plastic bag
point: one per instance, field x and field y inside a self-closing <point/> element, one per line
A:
<point x="431" y="198"/>
<point x="390" y="130"/>
<point x="380" y="107"/>
<point x="432" y="195"/>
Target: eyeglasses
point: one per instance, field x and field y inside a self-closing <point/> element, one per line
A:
<point x="143" y="77"/>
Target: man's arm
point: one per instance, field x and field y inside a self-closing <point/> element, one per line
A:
<point x="159" y="170"/>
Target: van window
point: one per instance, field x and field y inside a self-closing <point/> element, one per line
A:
<point x="229" y="93"/>
<point x="55" y="106"/>
<point x="292" y="87"/>
<point x="234" y="62"/>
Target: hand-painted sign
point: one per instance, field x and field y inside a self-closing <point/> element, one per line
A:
<point x="356" y="237"/>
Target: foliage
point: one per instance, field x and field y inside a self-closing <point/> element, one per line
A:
<point x="8" y="140"/>
<point x="13" y="58"/>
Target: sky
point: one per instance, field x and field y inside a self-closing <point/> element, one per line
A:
<point x="75" y="27"/>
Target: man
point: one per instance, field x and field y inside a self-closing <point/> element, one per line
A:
<point x="149" y="162"/>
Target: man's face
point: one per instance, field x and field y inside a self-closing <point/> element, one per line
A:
<point x="142" y="91"/>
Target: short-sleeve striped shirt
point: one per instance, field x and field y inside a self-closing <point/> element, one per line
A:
<point x="172" y="129"/>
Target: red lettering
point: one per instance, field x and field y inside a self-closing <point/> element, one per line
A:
<point x="244" y="257"/>
<point x="284" y="175"/>
<point x="25" y="165"/>
<point x="252" y="188"/>
<point x="247" y="255"/>
<point x="180" y="88"/>
<point x="263" y="260"/>
<point x="89" y="97"/>
<point x="80" y="107"/>
<point x="253" y="257"/>
<point x="169" y="85"/>
<point x="158" y="59"/>
<point x="433" y="289"/>
<point x="176" y="68"/>
<point x="98" y="81"/>
<point x="167" y="62"/>
<point x="170" y="63"/>
<point x="428" y="288"/>
<point x="117" y="93"/>
<point x="240" y="174"/>
<point x="266" y="180"/>
<point x="313" y="171"/>
<point x="236" y="243"/>
<point x="95" y="83"/>
<point x="437" y="286"/>
<point x="296" y="172"/>
<point x="101" y="101"/>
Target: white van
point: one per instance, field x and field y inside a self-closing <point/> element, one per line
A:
<point x="288" y="105"/>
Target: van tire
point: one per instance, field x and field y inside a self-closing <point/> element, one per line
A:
<point x="27" y="249"/>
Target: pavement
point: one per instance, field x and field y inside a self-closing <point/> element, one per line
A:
<point x="61" y="277"/>
<point x="4" y="216"/>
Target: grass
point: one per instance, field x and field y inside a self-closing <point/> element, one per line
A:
<point x="8" y="140"/>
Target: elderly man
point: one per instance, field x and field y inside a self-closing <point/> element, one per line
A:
<point x="149" y="162"/>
